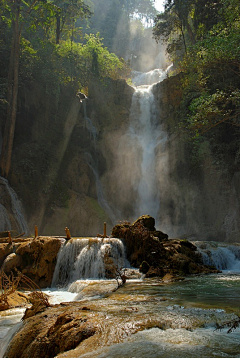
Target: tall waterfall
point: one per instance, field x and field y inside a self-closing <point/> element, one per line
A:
<point x="16" y="211"/>
<point x="88" y="258"/>
<point x="149" y="137"/>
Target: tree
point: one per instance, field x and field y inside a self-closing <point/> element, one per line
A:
<point x="173" y="25"/>
<point x="212" y="77"/>
<point x="66" y="12"/>
<point x="26" y="15"/>
<point x="16" y="7"/>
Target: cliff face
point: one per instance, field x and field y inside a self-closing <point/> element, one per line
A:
<point x="61" y="153"/>
<point x="68" y="167"/>
<point x="201" y="193"/>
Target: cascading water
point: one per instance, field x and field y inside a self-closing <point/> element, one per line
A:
<point x="16" y="208"/>
<point x="88" y="258"/>
<point x="220" y="255"/>
<point x="149" y="137"/>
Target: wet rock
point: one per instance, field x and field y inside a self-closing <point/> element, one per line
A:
<point x="13" y="300"/>
<point x="57" y="329"/>
<point x="144" y="267"/>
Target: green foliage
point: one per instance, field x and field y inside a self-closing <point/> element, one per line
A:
<point x="210" y="106"/>
<point x="212" y="74"/>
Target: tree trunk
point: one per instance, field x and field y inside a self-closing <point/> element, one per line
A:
<point x="58" y="29"/>
<point x="6" y="155"/>
<point x="190" y="33"/>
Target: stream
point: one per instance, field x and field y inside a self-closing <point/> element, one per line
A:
<point x="149" y="318"/>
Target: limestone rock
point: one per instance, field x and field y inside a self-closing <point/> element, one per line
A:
<point x="39" y="258"/>
<point x="5" y="250"/>
<point x="57" y="329"/>
<point x="35" y="258"/>
<point x="11" y="262"/>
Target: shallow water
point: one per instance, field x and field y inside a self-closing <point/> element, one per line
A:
<point x="146" y="318"/>
<point x="10" y="322"/>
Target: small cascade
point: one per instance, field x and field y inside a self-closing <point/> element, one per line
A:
<point x="148" y="78"/>
<point x="88" y="258"/>
<point x="16" y="208"/>
<point x="220" y="255"/>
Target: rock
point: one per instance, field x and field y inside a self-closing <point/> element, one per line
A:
<point x="155" y="254"/>
<point x="5" y="250"/>
<point x="15" y="299"/>
<point x="34" y="258"/>
<point x="39" y="259"/>
<point x="160" y="235"/>
<point x="57" y="329"/>
<point x="144" y="267"/>
<point x="11" y="262"/>
<point x="147" y="221"/>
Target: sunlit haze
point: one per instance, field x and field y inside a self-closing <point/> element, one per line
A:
<point x="159" y="5"/>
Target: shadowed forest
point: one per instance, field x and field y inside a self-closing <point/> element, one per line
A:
<point x="51" y="51"/>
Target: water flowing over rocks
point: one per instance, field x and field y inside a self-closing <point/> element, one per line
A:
<point x="99" y="169"/>
<point x="76" y="329"/>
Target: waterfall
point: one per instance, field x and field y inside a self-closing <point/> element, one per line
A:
<point x="220" y="255"/>
<point x="147" y="132"/>
<point x="88" y="258"/>
<point x="148" y="78"/>
<point x="16" y="208"/>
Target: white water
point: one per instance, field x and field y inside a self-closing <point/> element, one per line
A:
<point x="148" y="136"/>
<point x="16" y="209"/>
<point x="222" y="256"/>
<point x="172" y="343"/>
<point x="148" y="78"/>
<point x="86" y="259"/>
<point x="10" y="323"/>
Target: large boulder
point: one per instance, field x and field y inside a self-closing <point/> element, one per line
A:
<point x="35" y="258"/>
<point x="57" y="329"/>
<point x="154" y="253"/>
<point x="147" y="221"/>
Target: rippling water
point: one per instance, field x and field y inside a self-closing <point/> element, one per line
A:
<point x="149" y="319"/>
<point x="146" y="318"/>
